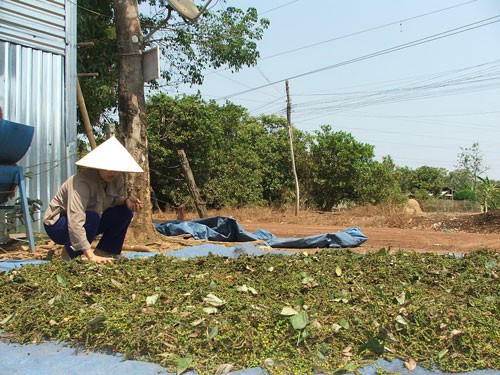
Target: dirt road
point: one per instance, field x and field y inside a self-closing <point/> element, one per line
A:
<point x="421" y="240"/>
<point x="437" y="233"/>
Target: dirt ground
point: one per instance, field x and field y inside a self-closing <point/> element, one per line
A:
<point x="385" y="228"/>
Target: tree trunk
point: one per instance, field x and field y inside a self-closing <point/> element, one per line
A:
<point x="132" y="113"/>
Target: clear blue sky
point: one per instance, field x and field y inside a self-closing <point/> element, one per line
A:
<point x="417" y="79"/>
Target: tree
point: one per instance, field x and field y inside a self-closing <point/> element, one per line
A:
<point x="430" y="180"/>
<point x="459" y="180"/>
<point x="471" y="160"/>
<point x="339" y="163"/>
<point x="97" y="55"/>
<point x="274" y="150"/>
<point x="221" y="141"/>
<point x="380" y="184"/>
<point x="188" y="50"/>
<point x="213" y="50"/>
<point x="406" y="176"/>
<point x="132" y="110"/>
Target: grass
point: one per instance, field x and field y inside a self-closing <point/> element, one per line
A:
<point x="332" y="311"/>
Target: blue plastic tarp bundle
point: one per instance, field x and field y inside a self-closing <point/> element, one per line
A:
<point x="227" y="229"/>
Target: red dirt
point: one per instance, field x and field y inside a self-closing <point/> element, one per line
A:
<point x="422" y="232"/>
<point x="421" y="240"/>
<point x="395" y="230"/>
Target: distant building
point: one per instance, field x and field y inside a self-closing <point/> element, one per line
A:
<point x="447" y="192"/>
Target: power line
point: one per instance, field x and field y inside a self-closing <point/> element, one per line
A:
<point x="366" y="30"/>
<point x="431" y="38"/>
<point x="284" y="5"/>
<point x="358" y="32"/>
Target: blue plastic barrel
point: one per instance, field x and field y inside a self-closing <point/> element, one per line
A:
<point x="15" y="140"/>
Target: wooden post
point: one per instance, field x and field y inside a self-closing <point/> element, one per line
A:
<point x="193" y="189"/>
<point x="290" y="133"/>
<point x="85" y="115"/>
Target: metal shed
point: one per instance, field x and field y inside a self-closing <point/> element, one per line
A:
<point x="38" y="88"/>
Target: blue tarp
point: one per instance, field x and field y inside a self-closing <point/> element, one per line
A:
<point x="55" y="359"/>
<point x="227" y="229"/>
<point x="51" y="358"/>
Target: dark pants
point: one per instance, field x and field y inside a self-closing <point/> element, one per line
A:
<point x="113" y="225"/>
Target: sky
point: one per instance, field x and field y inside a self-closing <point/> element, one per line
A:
<point x="417" y="79"/>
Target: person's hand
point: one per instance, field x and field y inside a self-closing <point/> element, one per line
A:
<point x="96" y="258"/>
<point x="133" y="204"/>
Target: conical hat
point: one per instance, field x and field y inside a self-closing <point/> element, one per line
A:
<point x="110" y="156"/>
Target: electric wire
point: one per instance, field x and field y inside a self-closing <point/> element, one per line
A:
<point x="366" y="30"/>
<point x="431" y="38"/>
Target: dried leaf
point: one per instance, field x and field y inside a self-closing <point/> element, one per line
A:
<point x="246" y="289"/>
<point x="401" y="299"/>
<point x="456" y="332"/>
<point x="336" y="327"/>
<point x="224" y="369"/>
<point x="401" y="320"/>
<point x="7" y="319"/>
<point x="411" y="364"/>
<point x="288" y="311"/>
<point x="213" y="300"/>
<point x="210" y="310"/>
<point x="151" y="300"/>
<point x="347" y="349"/>
<point x="338" y="271"/>
<point x="197" y="322"/>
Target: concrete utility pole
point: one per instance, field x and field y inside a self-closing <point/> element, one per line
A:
<point x="290" y="133"/>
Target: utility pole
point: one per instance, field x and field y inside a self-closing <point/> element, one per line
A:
<point x="290" y="134"/>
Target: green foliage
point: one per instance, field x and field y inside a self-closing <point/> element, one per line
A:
<point x="339" y="163"/>
<point x="240" y="160"/>
<point x="95" y="25"/>
<point x="332" y="311"/>
<point x="470" y="160"/>
<point x="380" y="184"/>
<point x="466" y="194"/>
<point x="226" y="149"/>
<point x="421" y="195"/>
<point x="274" y="151"/>
<point x="459" y="179"/>
<point x="226" y="37"/>
<point x="488" y="194"/>
<point x="430" y="179"/>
